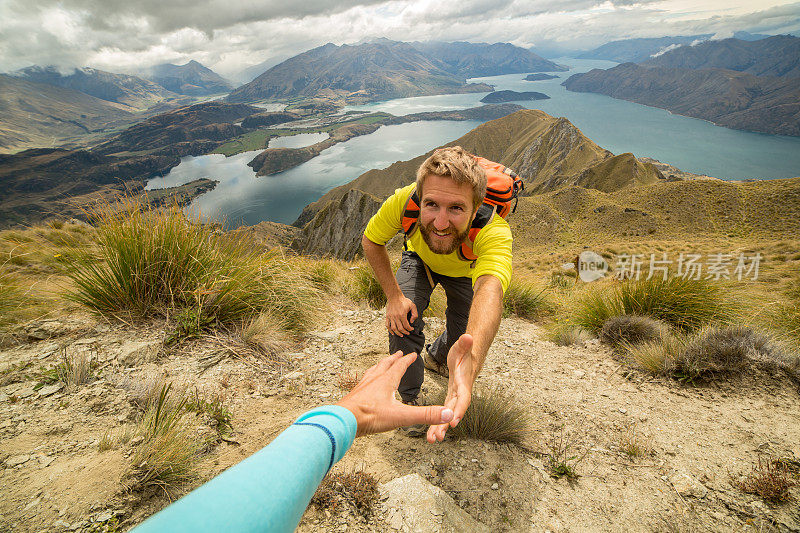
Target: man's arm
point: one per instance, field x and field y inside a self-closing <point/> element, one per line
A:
<point x="468" y="354"/>
<point x="397" y="305"/>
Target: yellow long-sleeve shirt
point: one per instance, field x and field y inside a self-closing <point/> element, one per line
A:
<point x="492" y="245"/>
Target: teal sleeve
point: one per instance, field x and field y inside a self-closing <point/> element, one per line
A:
<point x="270" y="490"/>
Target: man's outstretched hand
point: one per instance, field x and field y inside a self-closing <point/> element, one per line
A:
<point x="459" y="385"/>
<point x="373" y="403"/>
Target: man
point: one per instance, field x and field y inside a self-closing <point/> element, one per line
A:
<point x="451" y="186"/>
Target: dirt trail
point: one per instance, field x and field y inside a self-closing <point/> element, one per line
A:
<point x="55" y="479"/>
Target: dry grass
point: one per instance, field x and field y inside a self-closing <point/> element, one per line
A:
<point x="493" y="415"/>
<point x="358" y="489"/>
<point x="632" y="444"/>
<point x="770" y="479"/>
<point x="73" y="369"/>
<point x="365" y="287"/>
<point x="709" y="353"/>
<point x="526" y="300"/>
<point x="168" y="455"/>
<point x="566" y="334"/>
<point x="631" y="329"/>
<point x="152" y="262"/>
<point x="685" y="304"/>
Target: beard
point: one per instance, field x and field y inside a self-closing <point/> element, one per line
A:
<point x="443" y="246"/>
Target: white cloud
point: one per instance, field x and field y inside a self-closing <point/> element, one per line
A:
<point x="229" y="35"/>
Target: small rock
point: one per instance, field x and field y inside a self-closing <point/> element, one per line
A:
<point x="61" y="523"/>
<point x="292" y="375"/>
<point x="102" y="328"/>
<point x="578" y="374"/>
<point x="133" y="353"/>
<point x="686" y="485"/>
<point x="45" y="460"/>
<point x="495" y="486"/>
<point x="105" y="516"/>
<point x="25" y="392"/>
<point x="50" y="389"/>
<point x="623" y="410"/>
<point x="325" y="395"/>
<point x="17" y="460"/>
<point x="44" y="329"/>
<point x="136" y="440"/>
<point x="33" y="504"/>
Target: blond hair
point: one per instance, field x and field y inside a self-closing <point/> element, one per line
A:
<point x="457" y="164"/>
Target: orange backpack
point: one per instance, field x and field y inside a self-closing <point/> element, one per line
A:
<point x="503" y="186"/>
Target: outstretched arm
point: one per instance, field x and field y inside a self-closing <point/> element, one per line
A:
<point x="397" y="305"/>
<point x="468" y="354"/>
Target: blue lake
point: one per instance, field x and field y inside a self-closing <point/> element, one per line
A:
<point x="690" y="144"/>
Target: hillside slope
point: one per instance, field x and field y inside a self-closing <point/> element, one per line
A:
<point x="482" y="59"/>
<point x="777" y="56"/>
<point x="192" y="79"/>
<point x="727" y="98"/>
<point x="360" y="73"/>
<point x="37" y="114"/>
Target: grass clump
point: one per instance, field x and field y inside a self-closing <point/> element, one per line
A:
<point x="366" y="288"/>
<point x="155" y="262"/>
<point x="631" y="329"/>
<point x="685" y="304"/>
<point x="711" y="352"/>
<point x="564" y="455"/>
<point x="567" y="334"/>
<point x="770" y="479"/>
<point x="72" y="370"/>
<point x="347" y="380"/>
<point x="358" y="489"/>
<point x="525" y="300"/>
<point x="213" y="406"/>
<point x="493" y="415"/>
<point x="168" y="454"/>
<point x="633" y="444"/>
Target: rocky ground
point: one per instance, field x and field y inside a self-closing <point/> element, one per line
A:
<point x="695" y="440"/>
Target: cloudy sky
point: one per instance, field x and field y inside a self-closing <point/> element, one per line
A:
<point x="230" y="35"/>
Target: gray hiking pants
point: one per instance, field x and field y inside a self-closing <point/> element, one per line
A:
<point x="414" y="283"/>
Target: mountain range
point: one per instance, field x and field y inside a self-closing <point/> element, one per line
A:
<point x="743" y="85"/>
<point x="378" y="70"/>
<point x="642" y="49"/>
<point x="473" y="60"/>
<point x="191" y="79"/>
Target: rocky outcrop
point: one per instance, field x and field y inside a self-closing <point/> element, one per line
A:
<point x="337" y="229"/>
<point x="498" y="97"/>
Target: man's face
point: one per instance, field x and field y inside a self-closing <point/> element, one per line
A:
<point x="446" y="213"/>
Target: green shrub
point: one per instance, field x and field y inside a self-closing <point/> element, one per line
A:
<point x="685" y="304"/>
<point x="525" y="300"/>
<point x="366" y="287"/>
<point x="151" y="262"/>
<point x="631" y="329"/>
<point x="492" y="415"/>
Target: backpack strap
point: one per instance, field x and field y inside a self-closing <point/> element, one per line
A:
<point x="482" y="218"/>
<point x="410" y="214"/>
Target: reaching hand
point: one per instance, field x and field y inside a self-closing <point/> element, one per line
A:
<point x="397" y="321"/>
<point x="373" y="403"/>
<point x="459" y="385"/>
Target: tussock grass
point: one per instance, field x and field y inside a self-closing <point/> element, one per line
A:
<point x="366" y="288"/>
<point x="770" y="479"/>
<point x="264" y="334"/>
<point x="155" y="262"/>
<point x="493" y="415"/>
<point x="358" y="489"/>
<point x="526" y="300"/>
<point x="685" y="304"/>
<point x="631" y="329"/>
<point x="169" y="453"/>
<point x="709" y="353"/>
<point x="12" y="299"/>
<point x="566" y="334"/>
<point x="633" y="444"/>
